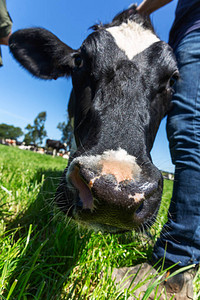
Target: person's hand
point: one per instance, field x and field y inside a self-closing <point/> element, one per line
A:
<point x="146" y="7"/>
<point x="4" y="40"/>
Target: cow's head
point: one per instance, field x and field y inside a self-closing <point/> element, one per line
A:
<point x="121" y="76"/>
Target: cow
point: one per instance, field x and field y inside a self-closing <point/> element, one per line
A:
<point x="55" y="145"/>
<point x="122" y="77"/>
<point x="10" y="142"/>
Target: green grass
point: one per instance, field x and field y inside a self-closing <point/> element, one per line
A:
<point x="44" y="255"/>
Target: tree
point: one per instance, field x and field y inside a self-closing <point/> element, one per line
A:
<point x="30" y="135"/>
<point x="28" y="139"/>
<point x="10" y="131"/>
<point x="67" y="133"/>
<point x="36" y="132"/>
<point x="40" y="132"/>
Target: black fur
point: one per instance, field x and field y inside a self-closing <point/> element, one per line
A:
<point x="116" y="103"/>
<point x="41" y="53"/>
<point x="124" y="17"/>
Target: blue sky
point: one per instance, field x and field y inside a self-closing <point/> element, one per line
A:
<point x="22" y="97"/>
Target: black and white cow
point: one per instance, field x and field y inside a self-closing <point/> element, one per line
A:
<point x="55" y="145"/>
<point x="122" y="76"/>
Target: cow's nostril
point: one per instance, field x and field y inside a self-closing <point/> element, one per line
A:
<point x="139" y="209"/>
<point x="85" y="195"/>
<point x="79" y="204"/>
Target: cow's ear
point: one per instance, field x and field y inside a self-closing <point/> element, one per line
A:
<point x="41" y="53"/>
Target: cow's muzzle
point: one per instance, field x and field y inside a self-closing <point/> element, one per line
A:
<point x="112" y="191"/>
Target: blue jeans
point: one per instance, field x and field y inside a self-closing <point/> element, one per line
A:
<point x="180" y="238"/>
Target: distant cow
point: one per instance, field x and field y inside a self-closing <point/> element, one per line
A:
<point x="55" y="145"/>
<point x="8" y="142"/>
<point x="31" y="147"/>
<point x="122" y="76"/>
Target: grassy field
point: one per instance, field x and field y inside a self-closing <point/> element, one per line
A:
<point x="44" y="255"/>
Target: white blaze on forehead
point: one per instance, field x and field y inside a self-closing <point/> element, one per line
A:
<point x="132" y="38"/>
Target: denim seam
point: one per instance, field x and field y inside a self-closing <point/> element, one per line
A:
<point x="197" y="113"/>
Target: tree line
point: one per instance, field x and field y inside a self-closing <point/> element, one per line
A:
<point x="35" y="133"/>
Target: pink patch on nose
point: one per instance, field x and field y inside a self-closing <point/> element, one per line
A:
<point x="121" y="170"/>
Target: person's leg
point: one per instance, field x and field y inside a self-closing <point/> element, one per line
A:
<point x="181" y="234"/>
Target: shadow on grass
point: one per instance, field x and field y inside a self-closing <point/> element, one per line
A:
<point x="49" y="248"/>
<point x="54" y="255"/>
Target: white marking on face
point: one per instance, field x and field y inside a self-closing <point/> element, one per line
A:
<point x="146" y="186"/>
<point x="132" y="38"/>
<point x="137" y="197"/>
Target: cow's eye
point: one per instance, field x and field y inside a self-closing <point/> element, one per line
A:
<point x="78" y="61"/>
<point x="174" y="78"/>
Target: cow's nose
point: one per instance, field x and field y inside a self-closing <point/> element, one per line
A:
<point x="110" y="195"/>
<point x="112" y="184"/>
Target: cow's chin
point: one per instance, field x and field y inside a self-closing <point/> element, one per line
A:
<point x="108" y="220"/>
